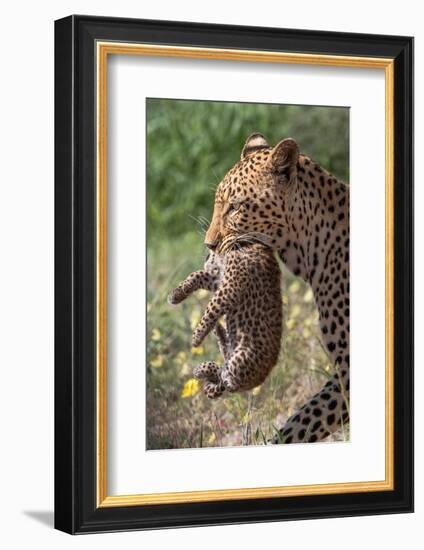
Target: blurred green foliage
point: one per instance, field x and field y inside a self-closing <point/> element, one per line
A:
<point x="192" y="144"/>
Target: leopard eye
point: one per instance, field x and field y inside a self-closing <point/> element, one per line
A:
<point x="233" y="207"/>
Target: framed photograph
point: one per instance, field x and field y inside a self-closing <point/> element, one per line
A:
<point x="231" y="203"/>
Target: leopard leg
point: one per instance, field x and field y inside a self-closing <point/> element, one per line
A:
<point x="213" y="390"/>
<point x="210" y="373"/>
<point x="231" y="383"/>
<point x="195" y="281"/>
<point x="222" y="337"/>
<point x="321" y="415"/>
<point x="240" y="371"/>
<point x="208" y="370"/>
<point x="222" y="301"/>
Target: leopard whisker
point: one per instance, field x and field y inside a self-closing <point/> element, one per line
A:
<point x="226" y="245"/>
<point x="254" y="236"/>
<point x="203" y="223"/>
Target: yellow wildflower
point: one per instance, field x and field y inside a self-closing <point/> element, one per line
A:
<point x="180" y="357"/>
<point x="294" y="287"/>
<point x="308" y="296"/>
<point x="295" y="310"/>
<point x="157" y="362"/>
<point x="306" y="333"/>
<point x="185" y="369"/>
<point x="156" y="334"/>
<point x="198" y="351"/>
<point x="290" y="323"/>
<point x="191" y="387"/>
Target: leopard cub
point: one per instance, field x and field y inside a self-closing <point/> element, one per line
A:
<point x="246" y="286"/>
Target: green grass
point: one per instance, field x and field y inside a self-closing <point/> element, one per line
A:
<point x="190" y="147"/>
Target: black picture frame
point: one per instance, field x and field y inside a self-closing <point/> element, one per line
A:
<point x="76" y="510"/>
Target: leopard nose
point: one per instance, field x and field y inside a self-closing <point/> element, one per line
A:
<point x="211" y="246"/>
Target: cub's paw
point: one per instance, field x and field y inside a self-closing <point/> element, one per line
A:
<point x="197" y="338"/>
<point x="230" y="383"/>
<point x="175" y="297"/>
<point x="213" y="390"/>
<point x="208" y="370"/>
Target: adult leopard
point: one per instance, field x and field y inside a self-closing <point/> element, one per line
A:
<point x="284" y="199"/>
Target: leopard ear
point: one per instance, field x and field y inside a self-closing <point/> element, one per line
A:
<point x="284" y="157"/>
<point x="254" y="143"/>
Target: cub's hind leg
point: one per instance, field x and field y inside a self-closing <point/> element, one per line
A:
<point x="222" y="301"/>
<point x="223" y="343"/>
<point x="208" y="370"/>
<point x="213" y="390"/>
<point x="240" y="371"/>
<point x="211" y="374"/>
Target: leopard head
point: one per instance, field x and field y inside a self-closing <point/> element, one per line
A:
<point x="251" y="202"/>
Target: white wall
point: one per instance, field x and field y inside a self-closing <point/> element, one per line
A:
<point x="26" y="289"/>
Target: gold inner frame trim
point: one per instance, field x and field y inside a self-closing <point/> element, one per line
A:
<point x="104" y="49"/>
